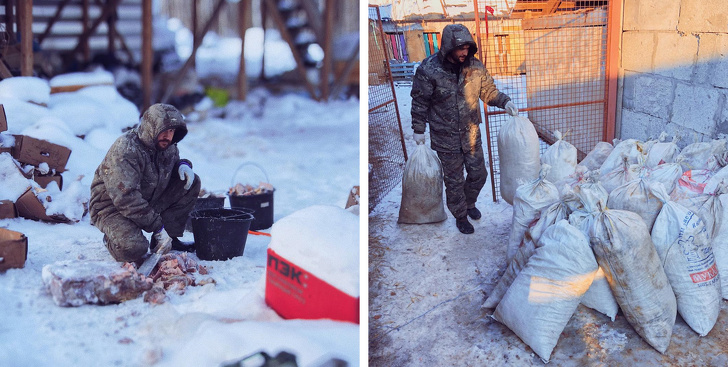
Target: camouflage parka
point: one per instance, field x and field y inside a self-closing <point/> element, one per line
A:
<point x="445" y="95"/>
<point x="134" y="173"/>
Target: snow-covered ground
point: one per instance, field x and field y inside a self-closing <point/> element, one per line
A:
<point x="308" y="150"/>
<point x="427" y="284"/>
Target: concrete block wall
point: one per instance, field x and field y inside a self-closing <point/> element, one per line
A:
<point x="674" y="64"/>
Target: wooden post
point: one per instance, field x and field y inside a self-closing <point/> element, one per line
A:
<point x="85" y="49"/>
<point x="195" y="27"/>
<point x="147" y="54"/>
<point x="25" y="21"/>
<point x="328" y="54"/>
<point x="264" y="18"/>
<point x="111" y="32"/>
<point x="243" y="11"/>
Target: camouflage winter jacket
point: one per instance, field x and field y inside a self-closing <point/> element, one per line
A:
<point x="134" y="173"/>
<point x="446" y="95"/>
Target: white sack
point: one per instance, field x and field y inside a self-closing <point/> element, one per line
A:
<point x="662" y="152"/>
<point x="683" y="244"/>
<point x="690" y="184"/>
<point x="720" y="249"/>
<point x="636" y="196"/>
<point x="630" y="148"/>
<point x="514" y="267"/>
<point x="618" y="177"/>
<point x="667" y="174"/>
<point x="708" y="155"/>
<point x="422" y="188"/>
<point x="624" y="250"/>
<point x="561" y="156"/>
<point x="599" y="297"/>
<point x="545" y="294"/>
<point x="549" y="216"/>
<point x="518" y="150"/>
<point x="597" y="156"/>
<point x="528" y="202"/>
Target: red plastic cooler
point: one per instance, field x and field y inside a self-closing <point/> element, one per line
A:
<point x="295" y="293"/>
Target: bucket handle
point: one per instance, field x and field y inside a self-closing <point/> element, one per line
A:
<point x="232" y="182"/>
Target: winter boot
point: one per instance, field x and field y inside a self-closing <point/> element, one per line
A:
<point x="474" y="213"/>
<point x="464" y="225"/>
<point x="182" y="245"/>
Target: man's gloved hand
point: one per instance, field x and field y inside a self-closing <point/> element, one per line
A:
<point x="185" y="173"/>
<point x="511" y="108"/>
<point x="419" y="138"/>
<point x="164" y="242"/>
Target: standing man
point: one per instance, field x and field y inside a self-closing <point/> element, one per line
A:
<point x="445" y="94"/>
<point x="143" y="185"/>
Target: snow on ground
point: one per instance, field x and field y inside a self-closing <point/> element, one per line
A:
<point x="310" y="154"/>
<point x="427" y="283"/>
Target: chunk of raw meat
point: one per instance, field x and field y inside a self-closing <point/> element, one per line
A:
<point x="74" y="283"/>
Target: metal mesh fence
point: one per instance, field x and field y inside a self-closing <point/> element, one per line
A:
<point x="553" y="67"/>
<point x="387" y="154"/>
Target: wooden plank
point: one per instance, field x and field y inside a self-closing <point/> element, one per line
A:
<point x="314" y="17"/>
<point x="4" y="71"/>
<point x="25" y="13"/>
<point x="328" y="52"/>
<point x="73" y="88"/>
<point x="53" y="21"/>
<point x="551" y="6"/>
<point x="273" y="11"/>
<point x="579" y="18"/>
<point x="243" y="11"/>
<point x="105" y="13"/>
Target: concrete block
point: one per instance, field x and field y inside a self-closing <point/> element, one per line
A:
<point x="653" y="95"/>
<point x="628" y="87"/>
<point x="675" y="55"/>
<point x="638" y="51"/>
<point x="699" y="16"/>
<point x="651" y="15"/>
<point x="712" y="65"/>
<point x="636" y="125"/>
<point x="696" y="107"/>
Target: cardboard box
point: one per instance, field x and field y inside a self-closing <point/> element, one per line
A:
<point x="7" y="209"/>
<point x="43" y="181"/>
<point x="353" y="197"/>
<point x="13" y="249"/>
<point x="3" y="119"/>
<point x="35" y="151"/>
<point x="295" y="293"/>
<point x="30" y="207"/>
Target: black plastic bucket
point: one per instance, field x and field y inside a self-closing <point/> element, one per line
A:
<point x="220" y="233"/>
<point x="209" y="202"/>
<point x="260" y="204"/>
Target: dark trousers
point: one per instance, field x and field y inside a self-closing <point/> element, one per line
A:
<point x="461" y="191"/>
<point x="124" y="239"/>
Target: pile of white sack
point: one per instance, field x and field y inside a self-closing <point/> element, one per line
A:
<point x="636" y="226"/>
